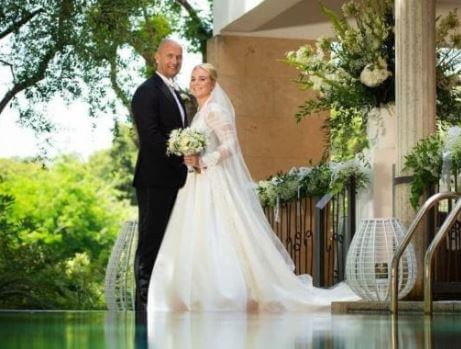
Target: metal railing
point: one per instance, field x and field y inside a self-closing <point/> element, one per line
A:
<point x="425" y="208"/>
<point x="334" y="229"/>
<point x="317" y="233"/>
<point x="293" y="223"/>
<point x="446" y="263"/>
<point x="444" y="229"/>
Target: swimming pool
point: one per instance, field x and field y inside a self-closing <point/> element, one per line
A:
<point x="101" y="329"/>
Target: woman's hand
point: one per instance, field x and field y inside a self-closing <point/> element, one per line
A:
<point x="192" y="160"/>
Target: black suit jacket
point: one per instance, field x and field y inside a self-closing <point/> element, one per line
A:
<point x="156" y="114"/>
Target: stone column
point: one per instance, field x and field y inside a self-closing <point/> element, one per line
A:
<point x="415" y="101"/>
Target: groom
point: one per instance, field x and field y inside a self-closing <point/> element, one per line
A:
<point x="157" y="109"/>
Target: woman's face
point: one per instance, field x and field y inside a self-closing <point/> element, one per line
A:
<point x="201" y="84"/>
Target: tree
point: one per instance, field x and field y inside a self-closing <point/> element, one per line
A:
<point x="85" y="49"/>
<point x="116" y="164"/>
<point x="57" y="228"/>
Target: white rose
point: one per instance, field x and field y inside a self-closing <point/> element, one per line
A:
<point x="373" y="76"/>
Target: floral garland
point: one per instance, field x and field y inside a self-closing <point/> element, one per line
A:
<point x="312" y="181"/>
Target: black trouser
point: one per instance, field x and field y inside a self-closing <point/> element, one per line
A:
<point x="155" y="206"/>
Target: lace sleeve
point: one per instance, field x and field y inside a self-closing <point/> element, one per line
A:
<point x="223" y="126"/>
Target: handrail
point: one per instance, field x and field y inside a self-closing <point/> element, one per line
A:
<point x="446" y="226"/>
<point x="406" y="240"/>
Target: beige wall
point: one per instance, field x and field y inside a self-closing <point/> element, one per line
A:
<point x="265" y="101"/>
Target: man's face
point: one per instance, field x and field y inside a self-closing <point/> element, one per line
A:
<point x="169" y="59"/>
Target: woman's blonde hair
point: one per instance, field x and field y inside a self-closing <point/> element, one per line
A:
<point x="210" y="69"/>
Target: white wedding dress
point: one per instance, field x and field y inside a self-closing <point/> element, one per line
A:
<point x="219" y="252"/>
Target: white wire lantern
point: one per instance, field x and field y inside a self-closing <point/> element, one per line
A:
<point x="368" y="262"/>
<point x="119" y="285"/>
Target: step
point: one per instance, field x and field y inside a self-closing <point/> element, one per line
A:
<point x="383" y="307"/>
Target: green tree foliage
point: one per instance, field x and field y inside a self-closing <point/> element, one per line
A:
<point x="86" y="49"/>
<point x="116" y="165"/>
<point x="57" y="228"/>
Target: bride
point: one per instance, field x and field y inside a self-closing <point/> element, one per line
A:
<point x="219" y="252"/>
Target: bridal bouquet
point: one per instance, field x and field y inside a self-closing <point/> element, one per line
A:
<point x="186" y="141"/>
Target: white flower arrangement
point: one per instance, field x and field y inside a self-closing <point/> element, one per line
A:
<point x="350" y="70"/>
<point x="311" y="181"/>
<point x="353" y="72"/>
<point x="186" y="141"/>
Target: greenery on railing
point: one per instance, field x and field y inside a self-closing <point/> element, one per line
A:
<point x="312" y="181"/>
<point x="432" y="159"/>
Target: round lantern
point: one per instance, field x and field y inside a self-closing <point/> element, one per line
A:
<point x="368" y="263"/>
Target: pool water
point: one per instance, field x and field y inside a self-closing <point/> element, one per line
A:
<point x="95" y="330"/>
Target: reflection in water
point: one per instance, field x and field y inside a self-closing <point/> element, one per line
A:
<point x="106" y="330"/>
<point x="119" y="330"/>
<point x="238" y="331"/>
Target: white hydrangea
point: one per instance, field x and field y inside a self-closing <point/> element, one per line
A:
<point x="375" y="74"/>
<point x="303" y="54"/>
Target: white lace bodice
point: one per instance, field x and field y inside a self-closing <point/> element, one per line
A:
<point x="218" y="126"/>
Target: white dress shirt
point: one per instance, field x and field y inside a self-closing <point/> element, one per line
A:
<point x="173" y="87"/>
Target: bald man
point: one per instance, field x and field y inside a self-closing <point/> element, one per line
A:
<point x="157" y="110"/>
